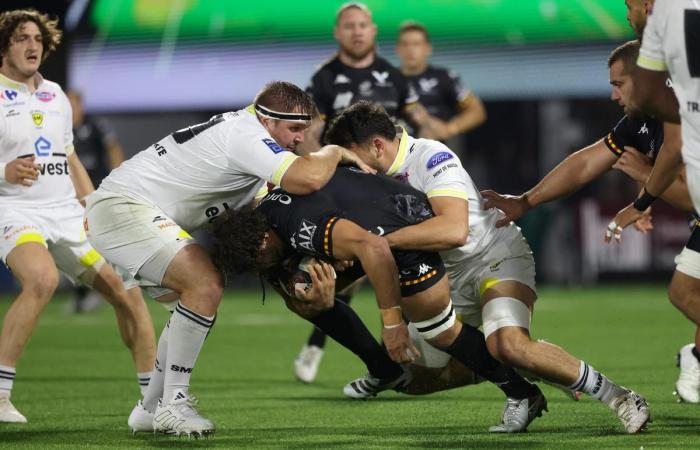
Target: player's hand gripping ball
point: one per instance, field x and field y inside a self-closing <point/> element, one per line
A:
<point x="295" y="277"/>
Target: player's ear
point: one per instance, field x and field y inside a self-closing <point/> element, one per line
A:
<point x="378" y="146"/>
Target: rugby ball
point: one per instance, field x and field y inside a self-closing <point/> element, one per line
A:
<point x="295" y="276"/>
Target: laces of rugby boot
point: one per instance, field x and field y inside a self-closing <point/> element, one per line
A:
<point x="510" y="413"/>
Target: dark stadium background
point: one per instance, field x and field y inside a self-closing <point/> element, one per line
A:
<point x="151" y="67"/>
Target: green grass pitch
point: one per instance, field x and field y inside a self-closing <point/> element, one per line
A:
<point x="76" y="382"/>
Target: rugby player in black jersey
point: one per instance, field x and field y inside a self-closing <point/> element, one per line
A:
<point x="451" y="108"/>
<point x="333" y="224"/>
<point x="631" y="147"/>
<point x="354" y="73"/>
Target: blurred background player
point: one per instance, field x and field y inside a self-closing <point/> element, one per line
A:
<point x="354" y="73"/>
<point x="40" y="215"/>
<point x="100" y="152"/>
<point x="450" y="109"/>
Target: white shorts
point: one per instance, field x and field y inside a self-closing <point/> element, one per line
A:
<point x="508" y="260"/>
<point x="59" y="229"/>
<point x="688" y="262"/>
<point x="134" y="236"/>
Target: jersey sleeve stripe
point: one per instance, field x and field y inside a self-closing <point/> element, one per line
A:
<point x="327" y="245"/>
<point x="651" y="64"/>
<point x="282" y="169"/>
<point x="610" y="143"/>
<point x="448" y="193"/>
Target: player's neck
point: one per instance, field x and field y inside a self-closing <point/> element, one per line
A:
<point x="392" y="152"/>
<point x="414" y="70"/>
<point x="356" y="63"/>
<point x="17" y="77"/>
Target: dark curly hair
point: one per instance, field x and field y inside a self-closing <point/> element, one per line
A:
<point x="236" y="240"/>
<point x="358" y="124"/>
<point x="10" y="21"/>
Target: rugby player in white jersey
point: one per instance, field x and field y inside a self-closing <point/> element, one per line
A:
<point x="491" y="270"/>
<point x="671" y="46"/>
<point x="40" y="216"/>
<point x="142" y="213"/>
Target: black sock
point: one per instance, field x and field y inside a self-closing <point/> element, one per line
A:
<point x="345" y="327"/>
<point x="318" y="337"/>
<point x="470" y="349"/>
<point x="696" y="353"/>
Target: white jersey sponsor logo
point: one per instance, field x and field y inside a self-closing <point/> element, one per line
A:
<point x="38" y="124"/>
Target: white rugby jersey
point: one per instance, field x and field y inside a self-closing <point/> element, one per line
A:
<point x="39" y="124"/>
<point x="198" y="172"/>
<point x="672" y="42"/>
<point x="431" y="167"/>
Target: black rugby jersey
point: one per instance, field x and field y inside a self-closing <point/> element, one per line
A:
<point x="91" y="140"/>
<point x="647" y="136"/>
<point x="336" y="86"/>
<point x="644" y="133"/>
<point x="376" y="203"/>
<point x="440" y="91"/>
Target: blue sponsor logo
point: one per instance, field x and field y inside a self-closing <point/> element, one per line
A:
<point x="42" y="147"/>
<point x="438" y="158"/>
<point x="10" y="94"/>
<point x="274" y="146"/>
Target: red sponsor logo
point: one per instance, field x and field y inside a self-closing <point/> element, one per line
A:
<point x="45" y="96"/>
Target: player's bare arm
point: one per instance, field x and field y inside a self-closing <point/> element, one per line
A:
<point x="577" y="170"/>
<point x="651" y="95"/>
<point x="665" y="172"/>
<point x="80" y="178"/>
<point x="447" y="230"/>
<point x="311" y="172"/>
<point x="352" y="242"/>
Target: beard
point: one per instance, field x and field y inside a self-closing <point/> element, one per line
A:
<point x="355" y="53"/>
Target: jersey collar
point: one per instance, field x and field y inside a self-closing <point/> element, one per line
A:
<point x="12" y="84"/>
<point x="400" y="155"/>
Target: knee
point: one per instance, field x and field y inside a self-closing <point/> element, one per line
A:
<point x="42" y="285"/>
<point x="679" y="297"/>
<point x="509" y="350"/>
<point x="211" y="292"/>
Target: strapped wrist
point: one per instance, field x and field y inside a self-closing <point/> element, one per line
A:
<point x="391" y="317"/>
<point x="643" y="203"/>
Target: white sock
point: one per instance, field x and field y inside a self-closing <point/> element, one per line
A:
<point x="185" y="339"/>
<point x="7" y="376"/>
<point x="597" y="385"/>
<point x="144" y="378"/>
<point x="154" y="391"/>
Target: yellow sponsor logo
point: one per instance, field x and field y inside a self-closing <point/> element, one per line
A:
<point x="37" y="117"/>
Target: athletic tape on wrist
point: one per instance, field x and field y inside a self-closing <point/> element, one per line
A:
<point x="644" y="202"/>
